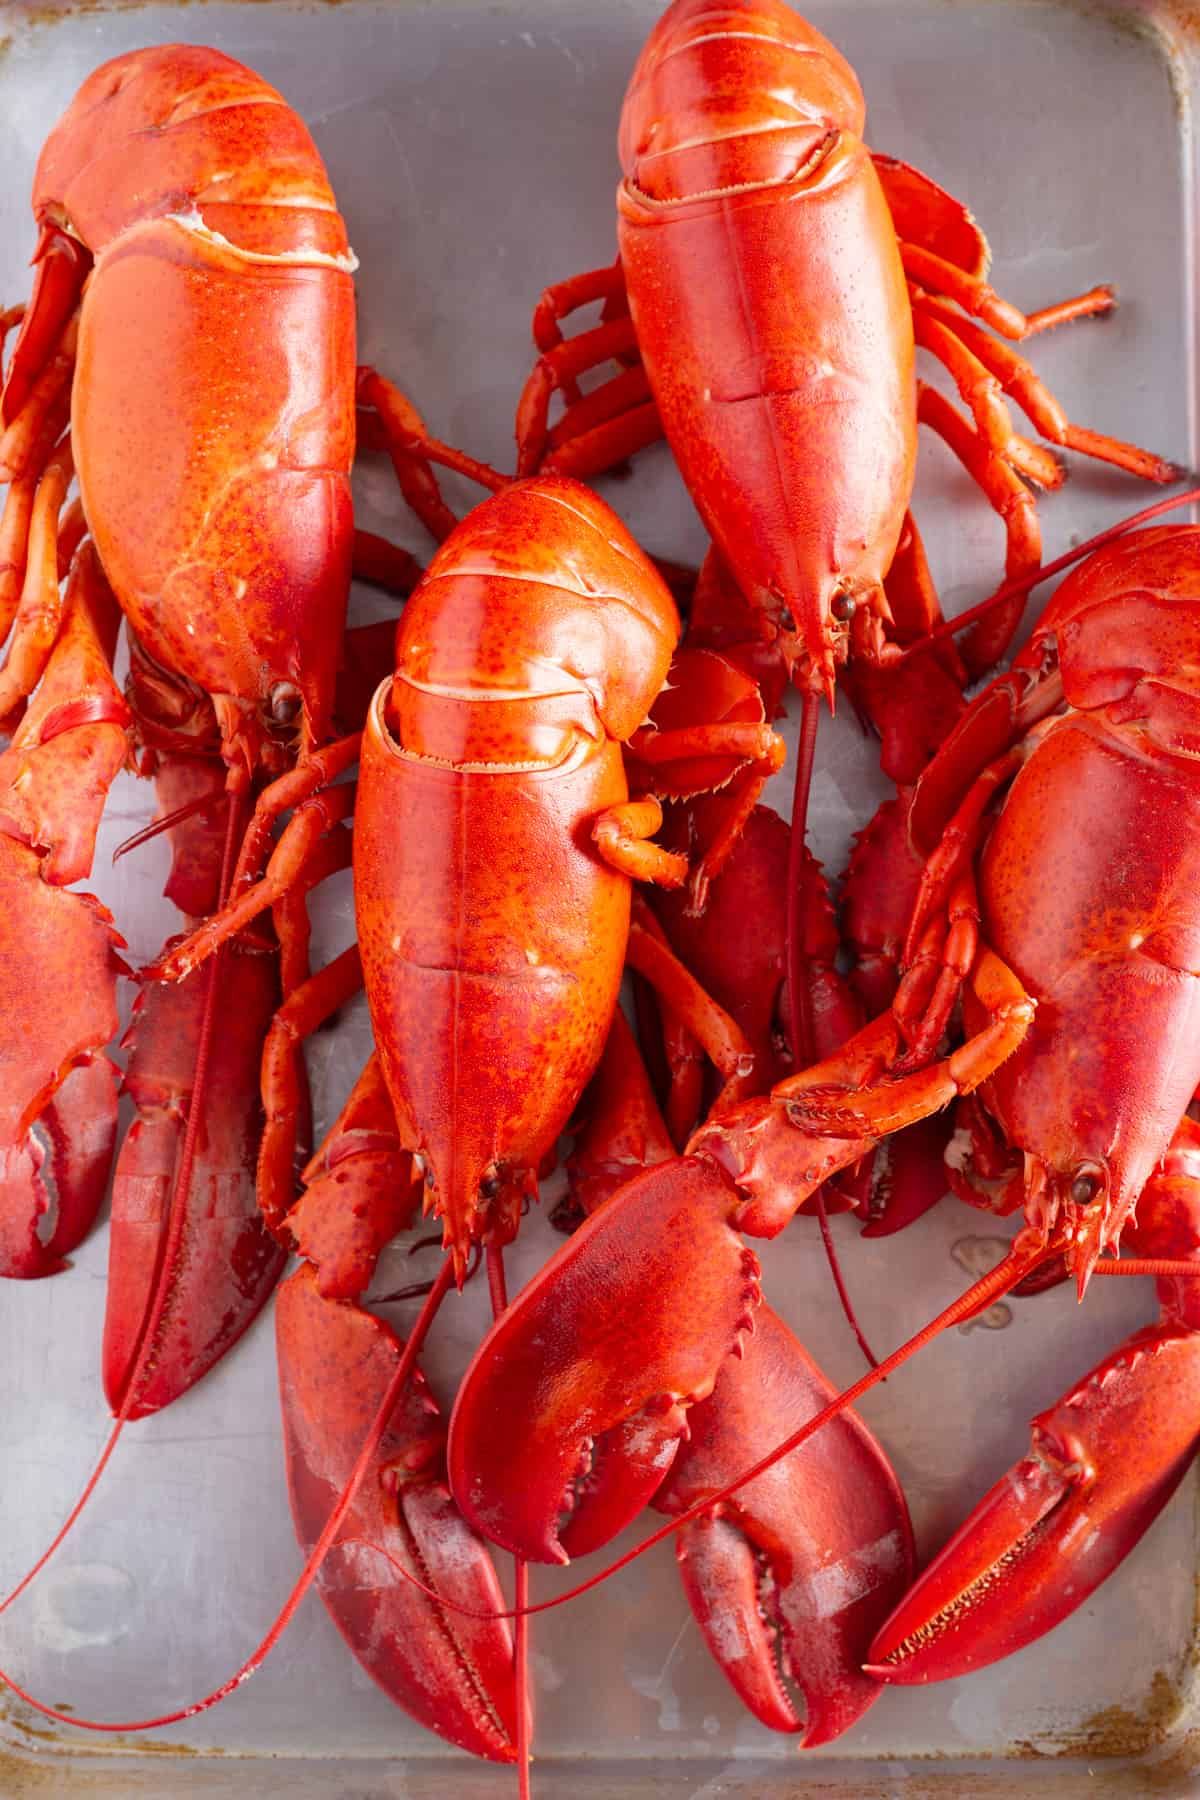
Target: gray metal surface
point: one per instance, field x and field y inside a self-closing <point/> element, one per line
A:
<point x="471" y="143"/>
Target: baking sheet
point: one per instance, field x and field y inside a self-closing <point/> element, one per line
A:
<point x="471" y="143"/>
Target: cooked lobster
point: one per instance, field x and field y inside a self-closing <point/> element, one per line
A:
<point x="1072" y="1086"/>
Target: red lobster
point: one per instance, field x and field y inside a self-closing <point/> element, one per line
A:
<point x="494" y="845"/>
<point x="191" y="266"/>
<point x="185" y="211"/>
<point x="1079" y="1000"/>
<point x="775" y="274"/>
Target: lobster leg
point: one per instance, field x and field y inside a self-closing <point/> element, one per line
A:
<point x="38" y="619"/>
<point x="979" y="390"/>
<point x="559" y="368"/>
<point x="402" y="423"/>
<point x="970" y="291"/>
<point x="708" y="731"/>
<point x="27" y="429"/>
<point x="315" y="815"/>
<point x="62" y="265"/>
<point x="1001" y="485"/>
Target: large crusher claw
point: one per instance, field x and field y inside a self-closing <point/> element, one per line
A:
<point x="599" y="1358"/>
<point x="1103" y="1463"/>
<point x="453" y="1673"/>
<point x="228" y="1263"/>
<point x="790" y="1577"/>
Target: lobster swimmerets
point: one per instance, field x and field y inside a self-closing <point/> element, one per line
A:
<point x="1083" y="1049"/>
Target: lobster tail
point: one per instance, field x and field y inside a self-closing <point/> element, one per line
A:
<point x="731" y="92"/>
<point x="184" y="131"/>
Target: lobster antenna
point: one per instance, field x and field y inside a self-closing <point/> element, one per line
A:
<point x="189" y="809"/>
<point x="799" y="999"/>
<point x="1021" y="584"/>
<point x="992" y="1286"/>
<point x="160" y="1291"/>
<point x="498" y="1291"/>
<point x="308" y="1574"/>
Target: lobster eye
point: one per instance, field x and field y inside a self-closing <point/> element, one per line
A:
<point x="787" y="620"/>
<point x="843" y="607"/>
<point x="1086" y="1185"/>
<point x="284" y="702"/>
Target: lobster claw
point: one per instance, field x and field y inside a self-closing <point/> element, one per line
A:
<point x="790" y="1577"/>
<point x="453" y="1673"/>
<point x="599" y="1357"/>
<point x="1104" y="1462"/>
<point x="228" y="1262"/>
<point x="61" y="1166"/>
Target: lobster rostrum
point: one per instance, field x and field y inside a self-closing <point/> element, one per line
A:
<point x="1078" y="1003"/>
<point x="191" y="267"/>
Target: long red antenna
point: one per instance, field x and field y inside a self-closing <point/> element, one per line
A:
<point x="379" y="1424"/>
<point x="1021" y="584"/>
<point x="799" y="1000"/>
<point x="498" y="1291"/>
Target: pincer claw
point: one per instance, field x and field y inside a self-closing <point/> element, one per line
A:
<point x="1104" y="1462"/>
<point x="790" y="1576"/>
<point x="450" y="1669"/>
<point x="599" y="1357"/>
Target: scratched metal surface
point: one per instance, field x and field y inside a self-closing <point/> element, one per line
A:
<point x="471" y="145"/>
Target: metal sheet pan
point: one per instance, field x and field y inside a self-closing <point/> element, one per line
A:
<point x="472" y="146"/>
